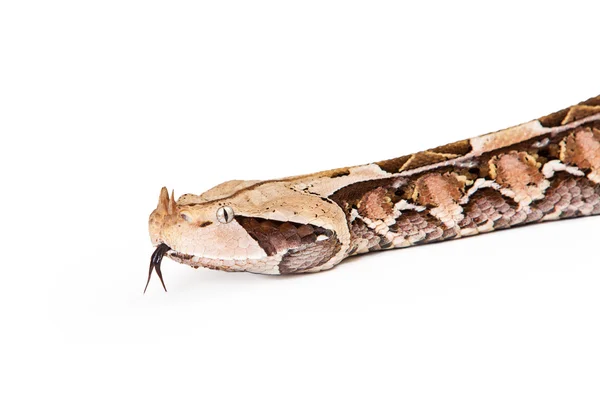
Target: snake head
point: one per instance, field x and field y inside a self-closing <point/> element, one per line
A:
<point x="201" y="232"/>
<point x="257" y="226"/>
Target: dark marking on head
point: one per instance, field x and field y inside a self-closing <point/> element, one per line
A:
<point x="204" y="224"/>
<point x="275" y="236"/>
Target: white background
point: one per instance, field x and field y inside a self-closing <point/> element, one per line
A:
<point x="102" y="103"/>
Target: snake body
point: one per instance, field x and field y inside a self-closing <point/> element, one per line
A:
<point x="547" y="169"/>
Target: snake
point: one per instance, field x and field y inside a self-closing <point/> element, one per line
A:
<point x="544" y="170"/>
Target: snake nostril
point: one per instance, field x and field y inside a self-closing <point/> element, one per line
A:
<point x="186" y="216"/>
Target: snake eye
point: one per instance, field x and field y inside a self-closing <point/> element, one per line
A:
<point x="225" y="214"/>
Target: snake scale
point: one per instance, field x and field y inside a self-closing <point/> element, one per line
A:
<point x="544" y="170"/>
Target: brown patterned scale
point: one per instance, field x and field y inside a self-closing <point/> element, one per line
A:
<point x="546" y="169"/>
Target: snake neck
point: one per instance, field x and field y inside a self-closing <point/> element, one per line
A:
<point x="547" y="169"/>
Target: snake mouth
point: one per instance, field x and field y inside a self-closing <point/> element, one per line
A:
<point x="155" y="262"/>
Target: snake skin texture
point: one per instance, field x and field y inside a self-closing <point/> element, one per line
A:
<point x="543" y="170"/>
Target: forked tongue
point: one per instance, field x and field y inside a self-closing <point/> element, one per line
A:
<point x="155" y="261"/>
